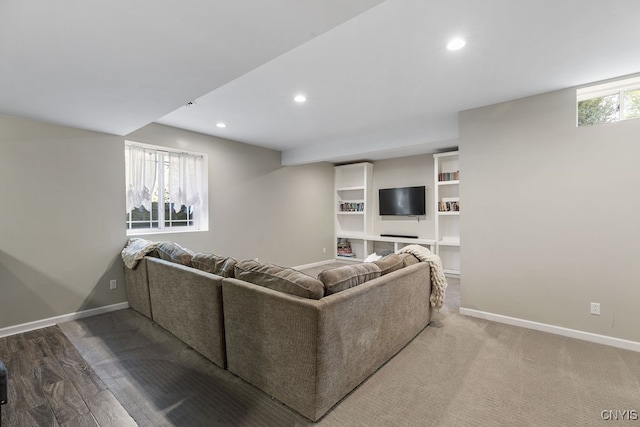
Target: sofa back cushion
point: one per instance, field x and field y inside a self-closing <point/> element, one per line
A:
<point x="281" y="279"/>
<point x="389" y="263"/>
<point x="173" y="252"/>
<point x="348" y="276"/>
<point x="211" y="263"/>
<point x="408" y="259"/>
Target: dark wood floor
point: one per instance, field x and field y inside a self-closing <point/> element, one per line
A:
<point x="50" y="384"/>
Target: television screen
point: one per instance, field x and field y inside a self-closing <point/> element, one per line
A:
<point x="407" y="201"/>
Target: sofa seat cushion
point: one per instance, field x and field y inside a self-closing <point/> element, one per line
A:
<point x="348" y="276"/>
<point x="173" y="252"/>
<point x="278" y="278"/>
<point x="389" y="263"/>
<point x="211" y="263"/>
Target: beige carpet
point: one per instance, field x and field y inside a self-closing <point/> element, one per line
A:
<point x="459" y="371"/>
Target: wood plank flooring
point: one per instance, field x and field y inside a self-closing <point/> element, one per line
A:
<point x="50" y="384"/>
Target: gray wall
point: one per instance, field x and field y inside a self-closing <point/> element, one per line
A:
<point x="257" y="208"/>
<point x="551" y="215"/>
<point x="404" y="172"/>
<point x="62" y="217"/>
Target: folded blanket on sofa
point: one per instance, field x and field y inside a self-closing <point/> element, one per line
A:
<point x="438" y="280"/>
<point x="135" y="250"/>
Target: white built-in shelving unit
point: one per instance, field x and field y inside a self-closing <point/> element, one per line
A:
<point x="354" y="214"/>
<point x="446" y="170"/>
<point x="353" y="207"/>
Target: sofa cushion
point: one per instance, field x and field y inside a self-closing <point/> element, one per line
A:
<point x="173" y="252"/>
<point x="348" y="276"/>
<point x="281" y="279"/>
<point x="408" y="259"/>
<point x="211" y="263"/>
<point x="389" y="263"/>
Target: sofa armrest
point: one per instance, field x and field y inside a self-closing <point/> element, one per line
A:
<point x="362" y="329"/>
<point x="137" y="286"/>
<point x="271" y="341"/>
<point x="310" y="353"/>
<point x="188" y="303"/>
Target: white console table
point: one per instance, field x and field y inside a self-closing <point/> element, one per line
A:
<point x="363" y="245"/>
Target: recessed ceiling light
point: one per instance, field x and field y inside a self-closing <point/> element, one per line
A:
<point x="221" y="125"/>
<point x="456" y="44"/>
<point x="300" y="98"/>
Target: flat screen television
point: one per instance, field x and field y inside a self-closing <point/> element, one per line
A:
<point x="407" y="201"/>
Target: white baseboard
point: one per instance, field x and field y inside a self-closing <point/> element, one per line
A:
<point x="558" y="330"/>
<point x="26" y="327"/>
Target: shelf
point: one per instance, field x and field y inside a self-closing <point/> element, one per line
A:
<point x="446" y="175"/>
<point x="387" y="239"/>
<point x="350" y="206"/>
<point x="354" y="236"/>
<point x="354" y="188"/>
<point x="353" y="206"/>
<point x="350" y="258"/>
<point x="365" y="244"/>
<point x="401" y="240"/>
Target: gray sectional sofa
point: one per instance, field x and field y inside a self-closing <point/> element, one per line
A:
<point x="306" y="341"/>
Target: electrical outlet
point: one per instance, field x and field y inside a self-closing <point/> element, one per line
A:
<point x="256" y="259"/>
<point x="595" y="308"/>
<point x="324" y="250"/>
<point x="113" y="284"/>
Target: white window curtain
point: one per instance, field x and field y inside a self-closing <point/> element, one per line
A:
<point x="140" y="175"/>
<point x="185" y="180"/>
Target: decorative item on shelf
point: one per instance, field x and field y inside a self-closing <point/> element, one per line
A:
<point x="344" y="248"/>
<point x="351" y="207"/>
<point x="449" y="204"/>
<point x="449" y="176"/>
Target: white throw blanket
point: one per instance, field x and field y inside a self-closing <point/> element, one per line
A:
<point x="135" y="250"/>
<point x="438" y="280"/>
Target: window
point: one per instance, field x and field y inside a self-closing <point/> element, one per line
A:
<point x="609" y="102"/>
<point x="165" y="189"/>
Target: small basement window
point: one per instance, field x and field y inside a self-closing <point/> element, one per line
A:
<point x="609" y="102"/>
<point x="166" y="190"/>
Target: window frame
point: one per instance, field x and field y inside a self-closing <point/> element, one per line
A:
<point x="616" y="87"/>
<point x="201" y="212"/>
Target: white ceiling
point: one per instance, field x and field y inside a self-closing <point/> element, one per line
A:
<point x="378" y="78"/>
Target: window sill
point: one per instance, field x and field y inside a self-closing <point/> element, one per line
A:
<point x="150" y="231"/>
